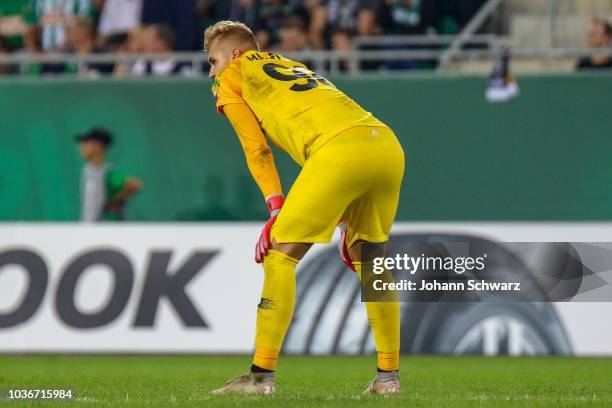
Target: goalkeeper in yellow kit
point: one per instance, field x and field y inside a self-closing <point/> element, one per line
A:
<point x="352" y="169"/>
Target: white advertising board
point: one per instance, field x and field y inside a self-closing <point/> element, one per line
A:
<point x="191" y="288"/>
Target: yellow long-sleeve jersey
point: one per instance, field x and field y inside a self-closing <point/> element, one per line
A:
<point x="297" y="109"/>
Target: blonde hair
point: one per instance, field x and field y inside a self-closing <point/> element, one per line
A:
<point x="231" y="30"/>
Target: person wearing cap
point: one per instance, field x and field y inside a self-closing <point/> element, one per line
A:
<point x="104" y="190"/>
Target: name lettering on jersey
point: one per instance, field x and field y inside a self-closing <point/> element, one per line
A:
<point x="254" y="57"/>
<point x="257" y="56"/>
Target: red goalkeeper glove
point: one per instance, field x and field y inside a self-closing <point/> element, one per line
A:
<point x="342" y="248"/>
<point x="274" y="203"/>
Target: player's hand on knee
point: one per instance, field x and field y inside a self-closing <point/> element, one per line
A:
<point x="274" y="203"/>
<point x="342" y="247"/>
<point x="263" y="245"/>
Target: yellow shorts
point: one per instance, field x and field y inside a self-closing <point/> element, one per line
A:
<point x="356" y="177"/>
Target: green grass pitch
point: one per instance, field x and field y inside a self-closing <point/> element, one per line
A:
<point x="185" y="381"/>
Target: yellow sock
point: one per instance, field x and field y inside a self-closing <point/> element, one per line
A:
<point x="275" y="309"/>
<point x="384" y="320"/>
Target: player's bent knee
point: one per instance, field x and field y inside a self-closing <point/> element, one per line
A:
<point x="295" y="250"/>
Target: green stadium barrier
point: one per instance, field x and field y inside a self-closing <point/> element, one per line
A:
<point x="544" y="156"/>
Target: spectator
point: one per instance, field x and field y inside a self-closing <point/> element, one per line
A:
<point x="159" y="39"/>
<point x="136" y="39"/>
<point x="104" y="190"/>
<point x="117" y="42"/>
<point x="119" y="16"/>
<point x="245" y="11"/>
<point x="342" y="42"/>
<point x="32" y="40"/>
<point x="599" y="36"/>
<point x="355" y="15"/>
<point x="31" y="45"/>
<point x="132" y="45"/>
<point x="207" y="11"/>
<point x="293" y="35"/>
<point x="52" y="15"/>
<point x="271" y="17"/>
<point x="23" y="37"/>
<point x="80" y="40"/>
<point x="180" y="16"/>
<point x="13" y="23"/>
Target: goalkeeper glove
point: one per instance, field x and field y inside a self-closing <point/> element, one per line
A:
<point x="274" y="202"/>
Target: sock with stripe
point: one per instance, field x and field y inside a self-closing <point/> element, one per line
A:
<point x="275" y="309"/>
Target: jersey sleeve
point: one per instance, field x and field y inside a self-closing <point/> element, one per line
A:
<point x="256" y="150"/>
<point x="227" y="87"/>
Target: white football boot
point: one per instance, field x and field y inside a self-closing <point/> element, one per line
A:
<point x="250" y="383"/>
<point x="385" y="383"/>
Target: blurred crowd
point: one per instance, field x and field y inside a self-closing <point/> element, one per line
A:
<point x="599" y="35"/>
<point x="162" y="26"/>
